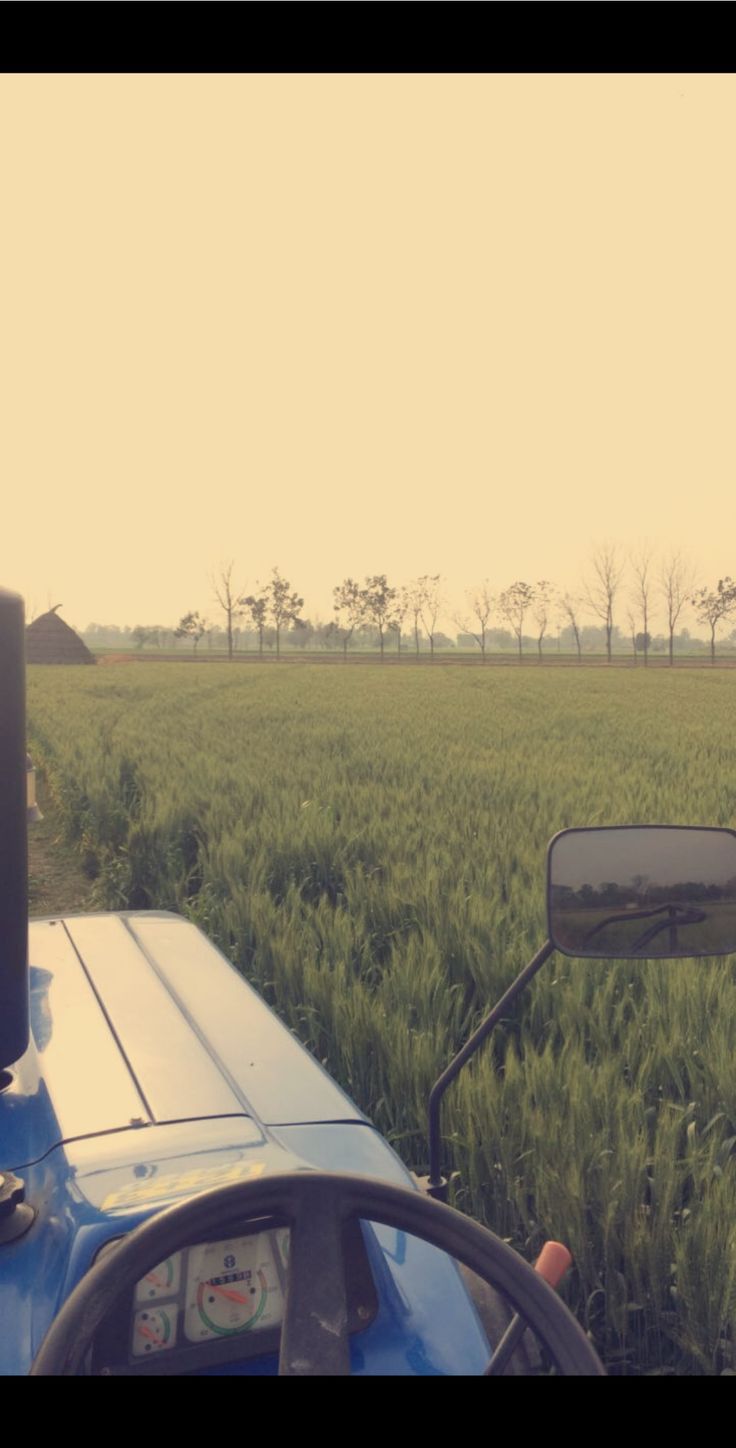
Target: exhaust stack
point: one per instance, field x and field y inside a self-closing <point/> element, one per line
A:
<point x="14" y="1028"/>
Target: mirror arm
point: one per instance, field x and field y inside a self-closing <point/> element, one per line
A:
<point x="436" y="1185"/>
<point x="685" y="917"/>
<point x="676" y="915"/>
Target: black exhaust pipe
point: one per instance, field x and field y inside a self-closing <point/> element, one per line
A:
<point x="13" y="841"/>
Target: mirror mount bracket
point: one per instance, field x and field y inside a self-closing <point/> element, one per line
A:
<point x="436" y="1185"/>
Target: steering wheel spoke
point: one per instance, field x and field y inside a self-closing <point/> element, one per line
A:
<point x="314" y="1336"/>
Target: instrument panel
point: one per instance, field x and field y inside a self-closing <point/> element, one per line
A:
<point x="210" y="1292"/>
<point x="217" y="1302"/>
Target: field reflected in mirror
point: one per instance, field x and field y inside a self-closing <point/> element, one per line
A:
<point x="643" y="892"/>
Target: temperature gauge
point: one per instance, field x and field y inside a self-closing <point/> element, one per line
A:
<point x="154" y="1330"/>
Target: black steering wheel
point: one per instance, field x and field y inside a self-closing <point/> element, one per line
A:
<point x="315" y="1206"/>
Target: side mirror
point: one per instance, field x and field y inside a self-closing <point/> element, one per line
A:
<point x="642" y="891"/>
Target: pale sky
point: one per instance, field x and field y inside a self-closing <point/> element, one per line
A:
<point x="468" y="325"/>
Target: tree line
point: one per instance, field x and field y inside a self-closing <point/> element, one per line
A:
<point x="631" y="589"/>
<point x="377" y="605"/>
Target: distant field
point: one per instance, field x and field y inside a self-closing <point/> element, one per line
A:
<point x="409" y="657"/>
<point x="368" y="847"/>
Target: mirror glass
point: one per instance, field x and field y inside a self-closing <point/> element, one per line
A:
<point x="642" y="891"/>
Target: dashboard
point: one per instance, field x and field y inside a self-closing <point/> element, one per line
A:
<point x="212" y="1291"/>
<point x="217" y="1302"/>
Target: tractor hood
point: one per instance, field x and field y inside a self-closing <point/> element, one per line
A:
<point x="136" y="1019"/>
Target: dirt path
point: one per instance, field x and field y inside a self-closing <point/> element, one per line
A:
<point x="56" y="882"/>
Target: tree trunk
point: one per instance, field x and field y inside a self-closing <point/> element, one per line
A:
<point x="380" y="635"/>
<point x="230" y="635"/>
<point x="672" y="647"/>
<point x="713" y="644"/>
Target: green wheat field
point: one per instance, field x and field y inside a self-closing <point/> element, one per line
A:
<point x="368" y="847"/>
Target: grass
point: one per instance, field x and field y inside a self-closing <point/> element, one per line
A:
<point x="368" y="847"/>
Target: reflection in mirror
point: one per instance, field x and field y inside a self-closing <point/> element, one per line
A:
<point x="643" y="891"/>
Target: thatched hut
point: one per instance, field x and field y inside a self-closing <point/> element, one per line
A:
<point x="51" y="641"/>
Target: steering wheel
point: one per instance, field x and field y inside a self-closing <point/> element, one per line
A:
<point x="315" y="1206"/>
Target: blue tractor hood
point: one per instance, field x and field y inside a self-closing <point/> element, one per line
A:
<point x="155" y="1073"/>
<point x="137" y="1020"/>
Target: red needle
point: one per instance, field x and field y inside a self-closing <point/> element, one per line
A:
<point x="226" y="1292"/>
<point x="148" y="1332"/>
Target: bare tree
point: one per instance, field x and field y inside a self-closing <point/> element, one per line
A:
<point x="641" y="565"/>
<point x="570" y="607"/>
<point x="481" y="602"/>
<point x="676" y="582"/>
<point x="413" y="596"/>
<point x="713" y="606"/>
<point x="430" y="598"/>
<point x="514" y="603"/>
<point x="283" y="604"/>
<point x="543" y="596"/>
<point x="631" y="621"/>
<point x="228" y="598"/>
<point x="349" y="605"/>
<point x="378" y="603"/>
<point x="602" y="588"/>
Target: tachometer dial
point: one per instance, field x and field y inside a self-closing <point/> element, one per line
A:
<point x="154" y="1329"/>
<point x="231" y="1286"/>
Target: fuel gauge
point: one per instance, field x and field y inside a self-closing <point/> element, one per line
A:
<point x="161" y="1281"/>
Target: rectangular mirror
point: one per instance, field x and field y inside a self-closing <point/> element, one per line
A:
<point x="642" y="891"/>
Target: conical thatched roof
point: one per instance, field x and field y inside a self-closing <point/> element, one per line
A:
<point x="51" y="641"/>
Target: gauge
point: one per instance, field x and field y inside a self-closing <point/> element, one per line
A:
<point x="232" y="1287"/>
<point x="161" y="1281"/>
<point x="154" y="1329"/>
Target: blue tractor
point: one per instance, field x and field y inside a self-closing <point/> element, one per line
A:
<point x="184" y="1190"/>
